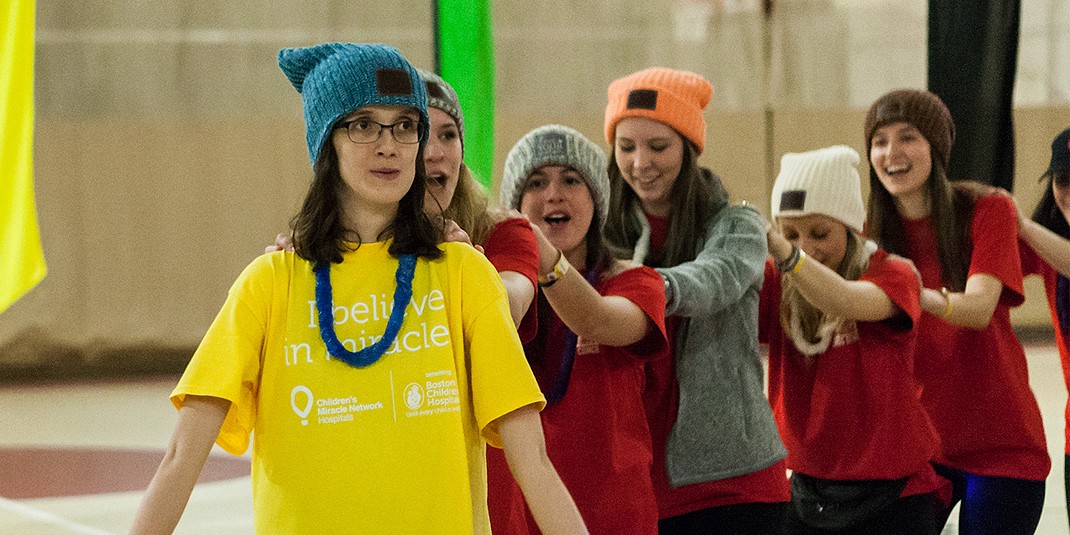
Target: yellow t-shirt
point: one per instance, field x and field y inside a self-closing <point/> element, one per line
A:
<point x="394" y="447"/>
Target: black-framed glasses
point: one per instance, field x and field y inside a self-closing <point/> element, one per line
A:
<point x="363" y="130"/>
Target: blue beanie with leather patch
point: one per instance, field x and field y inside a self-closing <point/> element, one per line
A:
<point x="335" y="79"/>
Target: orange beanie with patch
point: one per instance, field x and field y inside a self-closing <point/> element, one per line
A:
<point x="674" y="97"/>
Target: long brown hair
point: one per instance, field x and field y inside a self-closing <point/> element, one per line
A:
<point x="319" y="233"/>
<point x="696" y="196"/>
<point x="951" y="212"/>
<point x="469" y="207"/>
<point x="1047" y="212"/>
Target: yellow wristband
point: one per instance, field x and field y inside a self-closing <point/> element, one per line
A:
<point x="799" y="262"/>
<point x="947" y="297"/>
<point x="560" y="269"/>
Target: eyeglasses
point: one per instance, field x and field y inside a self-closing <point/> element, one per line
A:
<point x="406" y="131"/>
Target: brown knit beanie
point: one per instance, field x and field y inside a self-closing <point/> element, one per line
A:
<point x="920" y="108"/>
<point x="676" y="98"/>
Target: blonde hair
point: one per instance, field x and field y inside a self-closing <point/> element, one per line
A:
<point x="811" y="329"/>
<point x="469" y="207"/>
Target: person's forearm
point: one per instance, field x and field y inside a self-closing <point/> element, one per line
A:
<point x="166" y="497"/>
<point x="853" y="300"/>
<point x="525" y="450"/>
<point x="165" y="500"/>
<point x="972" y="308"/>
<point x="1049" y="246"/>
<point x="548" y="500"/>
<point x="605" y="319"/>
<point x="827" y="290"/>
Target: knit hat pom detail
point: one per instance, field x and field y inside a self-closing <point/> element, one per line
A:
<point x="823" y="181"/>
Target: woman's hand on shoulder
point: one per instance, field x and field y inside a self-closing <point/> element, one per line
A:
<point x="283" y="242"/>
<point x="499" y="214"/>
<point x="618" y="266"/>
<point x="1023" y="218"/>
<point x="779" y="246"/>
<point x="909" y="262"/>
<point x="452" y="232"/>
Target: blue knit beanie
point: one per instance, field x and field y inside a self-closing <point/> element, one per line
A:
<point x="335" y="79"/>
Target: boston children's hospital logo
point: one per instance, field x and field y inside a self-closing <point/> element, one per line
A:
<point x="414" y="396"/>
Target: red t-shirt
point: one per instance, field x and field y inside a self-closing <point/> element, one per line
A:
<point x="662" y="398"/>
<point x="511" y="246"/>
<point x="852" y="412"/>
<point x="975" y="383"/>
<point x="597" y="435"/>
<point x="1034" y="265"/>
<point x="659" y="231"/>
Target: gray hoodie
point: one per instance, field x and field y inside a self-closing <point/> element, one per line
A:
<point x="724" y="425"/>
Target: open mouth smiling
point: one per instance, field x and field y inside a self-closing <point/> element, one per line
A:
<point x="437" y="179"/>
<point x="557" y="218"/>
<point x="893" y="170"/>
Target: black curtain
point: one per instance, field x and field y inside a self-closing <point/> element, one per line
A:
<point x="973" y="54"/>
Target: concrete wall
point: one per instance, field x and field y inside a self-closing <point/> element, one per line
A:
<point x="170" y="149"/>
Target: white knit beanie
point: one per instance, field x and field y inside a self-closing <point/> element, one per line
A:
<point x="556" y="145"/>
<point x="823" y="181"/>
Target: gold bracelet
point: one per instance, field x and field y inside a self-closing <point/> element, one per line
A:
<point x="560" y="269"/>
<point x="947" y="298"/>
<point x="799" y="262"/>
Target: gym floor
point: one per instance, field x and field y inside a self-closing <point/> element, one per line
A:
<point x="75" y="457"/>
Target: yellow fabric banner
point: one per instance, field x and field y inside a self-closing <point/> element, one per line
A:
<point x="22" y="261"/>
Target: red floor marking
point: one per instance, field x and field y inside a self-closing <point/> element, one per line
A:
<point x="51" y="472"/>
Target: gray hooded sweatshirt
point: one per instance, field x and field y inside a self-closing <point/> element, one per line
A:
<point x="724" y="425"/>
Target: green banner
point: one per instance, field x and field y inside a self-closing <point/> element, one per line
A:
<point x="22" y="262"/>
<point x="466" y="61"/>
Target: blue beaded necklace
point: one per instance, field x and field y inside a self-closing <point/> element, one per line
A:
<point x="325" y="310"/>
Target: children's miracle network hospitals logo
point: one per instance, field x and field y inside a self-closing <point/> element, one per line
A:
<point x="302" y="411"/>
<point x="330" y="409"/>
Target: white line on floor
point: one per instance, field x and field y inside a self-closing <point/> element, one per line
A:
<point x="49" y="518"/>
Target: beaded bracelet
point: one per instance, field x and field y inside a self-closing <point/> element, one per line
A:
<point x="790" y="262"/>
<point x="793" y="263"/>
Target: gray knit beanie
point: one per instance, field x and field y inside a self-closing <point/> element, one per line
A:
<point x="440" y="94"/>
<point x="556" y="145"/>
<point x="335" y="79"/>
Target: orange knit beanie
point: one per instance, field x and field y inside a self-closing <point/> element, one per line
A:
<point x="670" y="96"/>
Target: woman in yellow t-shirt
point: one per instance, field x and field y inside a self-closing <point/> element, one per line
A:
<point x="370" y="412"/>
